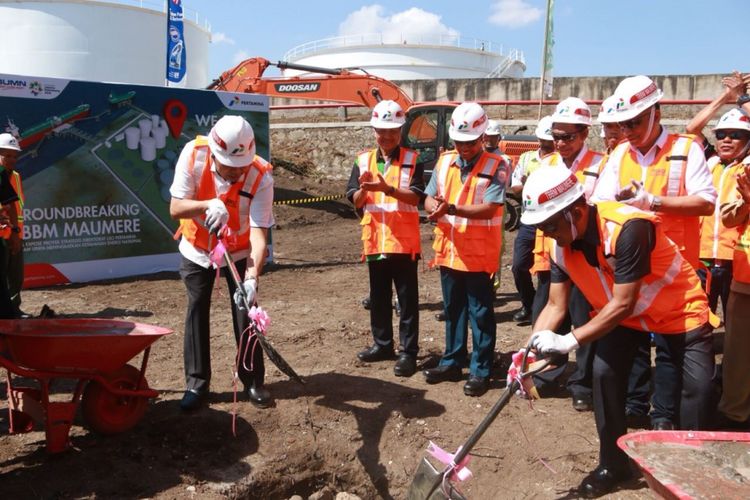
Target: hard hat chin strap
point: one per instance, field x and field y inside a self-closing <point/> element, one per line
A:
<point x="568" y="217"/>
<point x="651" y="117"/>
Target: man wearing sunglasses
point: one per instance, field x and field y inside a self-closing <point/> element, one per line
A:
<point x="636" y="282"/>
<point x="571" y="122"/>
<point x="465" y="197"/>
<point x="667" y="174"/>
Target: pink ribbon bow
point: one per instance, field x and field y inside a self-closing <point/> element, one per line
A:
<point x="460" y="471"/>
<point x="260" y="318"/>
<point x="514" y="371"/>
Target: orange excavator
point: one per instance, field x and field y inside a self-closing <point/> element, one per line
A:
<point x="426" y="128"/>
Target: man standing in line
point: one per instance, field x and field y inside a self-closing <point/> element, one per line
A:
<point x="13" y="233"/>
<point x="386" y="184"/>
<point x="221" y="183"/>
<point x="465" y="197"/>
<point x="523" y="246"/>
<point x="666" y="174"/>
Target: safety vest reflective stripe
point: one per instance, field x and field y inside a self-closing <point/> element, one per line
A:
<point x="237" y="200"/>
<point x="665" y="177"/>
<point x="717" y="240"/>
<point x="670" y="299"/>
<point x="460" y="243"/>
<point x="390" y="225"/>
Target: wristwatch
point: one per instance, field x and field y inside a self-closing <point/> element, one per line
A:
<point x="656" y="204"/>
<point x="743" y="99"/>
<point x="451" y="209"/>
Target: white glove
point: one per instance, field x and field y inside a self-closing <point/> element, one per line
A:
<point x="216" y="215"/>
<point x="642" y="199"/>
<point x="547" y="342"/>
<point x="250" y="286"/>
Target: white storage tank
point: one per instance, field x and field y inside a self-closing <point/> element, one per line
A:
<point x="97" y="40"/>
<point x="411" y="58"/>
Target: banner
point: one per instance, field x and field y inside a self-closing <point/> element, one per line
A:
<point x="549" y="45"/>
<point x="176" y="54"/>
<point x="97" y="163"/>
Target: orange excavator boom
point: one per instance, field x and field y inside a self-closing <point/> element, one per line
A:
<point x="338" y="85"/>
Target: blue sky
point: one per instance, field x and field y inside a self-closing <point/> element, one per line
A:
<point x="592" y="37"/>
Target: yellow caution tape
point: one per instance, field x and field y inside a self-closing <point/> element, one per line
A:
<point x="302" y="201"/>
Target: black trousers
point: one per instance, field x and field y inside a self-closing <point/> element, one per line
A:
<point x="691" y="355"/>
<point x="523" y="259"/>
<point x="7" y="309"/>
<point x="401" y="271"/>
<point x="197" y="353"/>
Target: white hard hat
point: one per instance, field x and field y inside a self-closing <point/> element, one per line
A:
<point x="634" y="95"/>
<point x="572" y="110"/>
<point x="544" y="129"/>
<point x="547" y="191"/>
<point x="232" y="141"/>
<point x="7" y="141"/>
<point x="733" y="119"/>
<point x="607" y="111"/>
<point x="387" y="114"/>
<point x="493" y="128"/>
<point x="468" y="122"/>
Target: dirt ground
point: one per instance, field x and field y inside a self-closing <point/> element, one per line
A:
<point x="353" y="427"/>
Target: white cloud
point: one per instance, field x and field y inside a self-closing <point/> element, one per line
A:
<point x="514" y="13"/>
<point x="239" y="56"/>
<point x="410" y="24"/>
<point x="220" y="37"/>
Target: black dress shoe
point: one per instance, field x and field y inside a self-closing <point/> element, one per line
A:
<point x="440" y="316"/>
<point x="442" y="373"/>
<point x="522" y="315"/>
<point x="192" y="400"/>
<point x="376" y="353"/>
<point x="476" y="386"/>
<point x="366" y="303"/>
<point x="259" y="396"/>
<point x="405" y="366"/>
<point x="663" y="425"/>
<point x="583" y="403"/>
<point x="602" y="481"/>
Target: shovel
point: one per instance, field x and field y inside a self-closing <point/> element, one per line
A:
<point x="270" y="351"/>
<point x="432" y="484"/>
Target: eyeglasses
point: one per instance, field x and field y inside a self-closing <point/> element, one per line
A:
<point x="735" y="135"/>
<point x="633" y="122"/>
<point x="466" y="143"/>
<point x="564" y="137"/>
<point x="550" y="226"/>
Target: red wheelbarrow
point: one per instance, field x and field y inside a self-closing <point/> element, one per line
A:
<point x="692" y="464"/>
<point x="93" y="352"/>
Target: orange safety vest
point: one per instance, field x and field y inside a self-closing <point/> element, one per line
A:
<point x="237" y="200"/>
<point x="390" y="225"/>
<point x="587" y="172"/>
<point x="460" y="243"/>
<point x="717" y="240"/>
<point x="15" y="181"/>
<point x="666" y="177"/>
<point x="741" y="262"/>
<point x="670" y="299"/>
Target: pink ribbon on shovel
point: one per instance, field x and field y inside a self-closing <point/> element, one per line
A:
<point x="216" y="256"/>
<point x="458" y="471"/>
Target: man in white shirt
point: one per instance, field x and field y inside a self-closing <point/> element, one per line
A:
<point x="222" y="187"/>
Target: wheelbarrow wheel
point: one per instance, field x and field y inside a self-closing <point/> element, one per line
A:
<point x="107" y="413"/>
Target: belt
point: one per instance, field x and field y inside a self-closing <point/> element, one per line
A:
<point x="718" y="262"/>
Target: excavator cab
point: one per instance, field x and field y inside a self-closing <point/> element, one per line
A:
<point x="426" y="131"/>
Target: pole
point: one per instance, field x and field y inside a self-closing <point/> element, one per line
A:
<point x="544" y="61"/>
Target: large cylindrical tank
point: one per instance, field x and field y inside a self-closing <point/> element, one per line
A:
<point x="98" y="41"/>
<point x="407" y="58"/>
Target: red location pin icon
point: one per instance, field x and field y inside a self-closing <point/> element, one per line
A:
<point x="175" y="113"/>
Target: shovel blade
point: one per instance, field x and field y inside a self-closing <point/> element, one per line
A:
<point x="427" y="483"/>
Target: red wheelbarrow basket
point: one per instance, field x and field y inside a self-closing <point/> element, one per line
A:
<point x="92" y="352"/>
<point x="692" y="464"/>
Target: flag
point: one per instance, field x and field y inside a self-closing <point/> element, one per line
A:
<point x="176" y="54"/>
<point x="549" y="44"/>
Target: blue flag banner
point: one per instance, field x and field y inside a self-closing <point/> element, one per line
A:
<point x="176" y="54"/>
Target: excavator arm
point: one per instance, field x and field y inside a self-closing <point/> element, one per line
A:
<point x="338" y="85"/>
